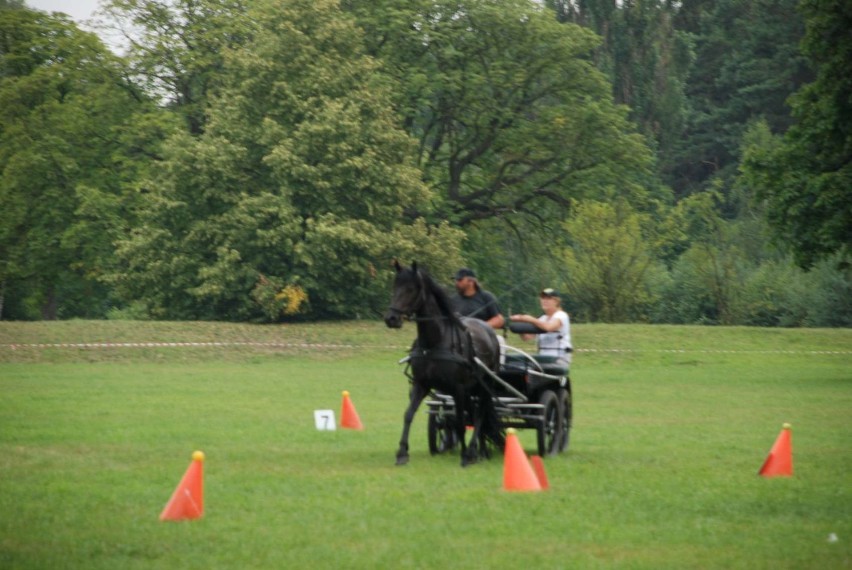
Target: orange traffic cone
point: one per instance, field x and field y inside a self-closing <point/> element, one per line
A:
<point x="540" y="473"/>
<point x="518" y="474"/>
<point x="780" y="459"/>
<point x="187" y="502"/>
<point x="348" y="416"/>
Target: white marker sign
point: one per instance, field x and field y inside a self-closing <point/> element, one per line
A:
<point x="325" y="420"/>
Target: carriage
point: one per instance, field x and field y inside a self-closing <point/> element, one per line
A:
<point x="456" y="362"/>
<point x="530" y="391"/>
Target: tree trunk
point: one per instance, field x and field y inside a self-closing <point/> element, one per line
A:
<point x="49" y="308"/>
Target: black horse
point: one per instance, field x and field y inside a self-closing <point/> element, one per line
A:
<point x="442" y="358"/>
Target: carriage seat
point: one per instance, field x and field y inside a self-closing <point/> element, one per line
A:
<point x="525" y="377"/>
<point x="548" y="364"/>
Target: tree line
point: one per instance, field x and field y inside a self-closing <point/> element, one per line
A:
<point x="660" y="161"/>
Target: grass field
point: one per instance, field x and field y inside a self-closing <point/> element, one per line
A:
<point x="671" y="426"/>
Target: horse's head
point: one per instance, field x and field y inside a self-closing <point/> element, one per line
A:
<point x="408" y="295"/>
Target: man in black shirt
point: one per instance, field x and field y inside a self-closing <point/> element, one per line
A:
<point x="473" y="301"/>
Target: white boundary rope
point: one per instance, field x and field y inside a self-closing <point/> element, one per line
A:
<point x="322" y="346"/>
<point x="685" y="351"/>
<point x="174" y="345"/>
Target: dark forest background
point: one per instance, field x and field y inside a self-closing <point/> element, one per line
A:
<point x="659" y="161"/>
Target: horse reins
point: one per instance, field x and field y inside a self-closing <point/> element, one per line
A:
<point x="439" y="354"/>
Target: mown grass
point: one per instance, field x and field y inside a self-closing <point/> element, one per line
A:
<point x="661" y="472"/>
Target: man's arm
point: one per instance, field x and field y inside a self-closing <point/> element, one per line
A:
<point x="497" y="321"/>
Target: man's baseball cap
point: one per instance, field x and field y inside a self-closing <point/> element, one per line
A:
<point x="549" y="292"/>
<point x="464" y="272"/>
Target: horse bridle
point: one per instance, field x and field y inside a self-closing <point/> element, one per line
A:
<point x="421" y="300"/>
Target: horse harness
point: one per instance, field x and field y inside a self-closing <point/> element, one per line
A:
<point x="461" y="349"/>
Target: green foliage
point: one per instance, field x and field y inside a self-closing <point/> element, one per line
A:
<point x="707" y="278"/>
<point x="609" y="263"/>
<point x="805" y="177"/>
<point x="730" y="275"/>
<point x="512" y="122"/>
<point x="65" y="112"/>
<point x="515" y="266"/>
<point x="747" y="64"/>
<point x="703" y="283"/>
<point x="511" y="119"/>
<point x="825" y="295"/>
<point x="176" y="49"/>
<point x="266" y="160"/>
<point x="647" y="60"/>
<point x="771" y="293"/>
<point x="136" y="311"/>
<point x="300" y="178"/>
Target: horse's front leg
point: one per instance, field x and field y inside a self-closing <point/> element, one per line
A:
<point x="468" y="453"/>
<point x="418" y="392"/>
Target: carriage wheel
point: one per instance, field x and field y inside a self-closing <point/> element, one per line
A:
<point x="550" y="429"/>
<point x="442" y="438"/>
<point x="566" y="403"/>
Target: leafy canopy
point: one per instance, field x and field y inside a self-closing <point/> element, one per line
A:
<point x="806" y="176"/>
<point x="294" y="190"/>
<point x="511" y="118"/>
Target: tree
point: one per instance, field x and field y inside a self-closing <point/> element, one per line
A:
<point x="805" y="177"/>
<point x="176" y="48"/>
<point x="709" y="277"/>
<point x="295" y="189"/>
<point x="65" y="111"/>
<point x="647" y="59"/>
<point x="747" y="64"/>
<point x="511" y="119"/>
<point x="609" y="261"/>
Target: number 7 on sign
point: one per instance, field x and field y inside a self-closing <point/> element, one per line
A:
<point x="324" y="420"/>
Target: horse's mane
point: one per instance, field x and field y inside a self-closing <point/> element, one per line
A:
<point x="445" y="304"/>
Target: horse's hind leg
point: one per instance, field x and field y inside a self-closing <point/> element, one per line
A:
<point x="477" y="447"/>
<point x="479" y="429"/>
<point x="417" y="395"/>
